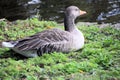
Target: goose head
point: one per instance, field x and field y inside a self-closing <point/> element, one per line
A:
<point x="74" y="12"/>
<point x="71" y="14"/>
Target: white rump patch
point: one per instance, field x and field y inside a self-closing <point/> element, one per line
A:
<point x="7" y="44"/>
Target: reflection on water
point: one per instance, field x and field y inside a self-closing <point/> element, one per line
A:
<point x="18" y="9"/>
<point x="98" y="10"/>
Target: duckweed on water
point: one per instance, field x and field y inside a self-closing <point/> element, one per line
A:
<point x="99" y="59"/>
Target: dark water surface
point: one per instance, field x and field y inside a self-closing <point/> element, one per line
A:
<point x="107" y="11"/>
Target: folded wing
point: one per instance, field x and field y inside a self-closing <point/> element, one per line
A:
<point x="46" y="41"/>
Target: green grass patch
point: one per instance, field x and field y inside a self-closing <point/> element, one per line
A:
<point x="98" y="60"/>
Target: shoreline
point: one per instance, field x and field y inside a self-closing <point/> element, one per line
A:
<point x="117" y="25"/>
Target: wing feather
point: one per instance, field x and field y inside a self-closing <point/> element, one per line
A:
<point x="45" y="41"/>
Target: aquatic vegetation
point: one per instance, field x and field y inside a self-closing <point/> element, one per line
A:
<point x="99" y="59"/>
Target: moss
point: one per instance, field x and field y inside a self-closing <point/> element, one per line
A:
<point x="99" y="59"/>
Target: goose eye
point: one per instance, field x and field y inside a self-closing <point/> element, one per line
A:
<point x="76" y="9"/>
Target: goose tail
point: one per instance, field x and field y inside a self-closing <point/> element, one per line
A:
<point x="8" y="44"/>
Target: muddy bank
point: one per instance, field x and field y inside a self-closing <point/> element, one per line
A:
<point x="117" y="25"/>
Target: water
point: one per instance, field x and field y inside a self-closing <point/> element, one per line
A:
<point x="101" y="11"/>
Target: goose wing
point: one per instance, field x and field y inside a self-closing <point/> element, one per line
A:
<point x="45" y="41"/>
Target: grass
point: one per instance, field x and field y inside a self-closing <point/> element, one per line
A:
<point x="98" y="60"/>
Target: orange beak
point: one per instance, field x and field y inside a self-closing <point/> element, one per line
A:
<point x="82" y="12"/>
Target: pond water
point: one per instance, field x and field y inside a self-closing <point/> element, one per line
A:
<point x="107" y="11"/>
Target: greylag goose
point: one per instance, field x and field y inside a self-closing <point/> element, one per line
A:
<point x="53" y="39"/>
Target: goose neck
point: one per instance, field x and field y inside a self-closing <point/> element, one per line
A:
<point x="69" y="23"/>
